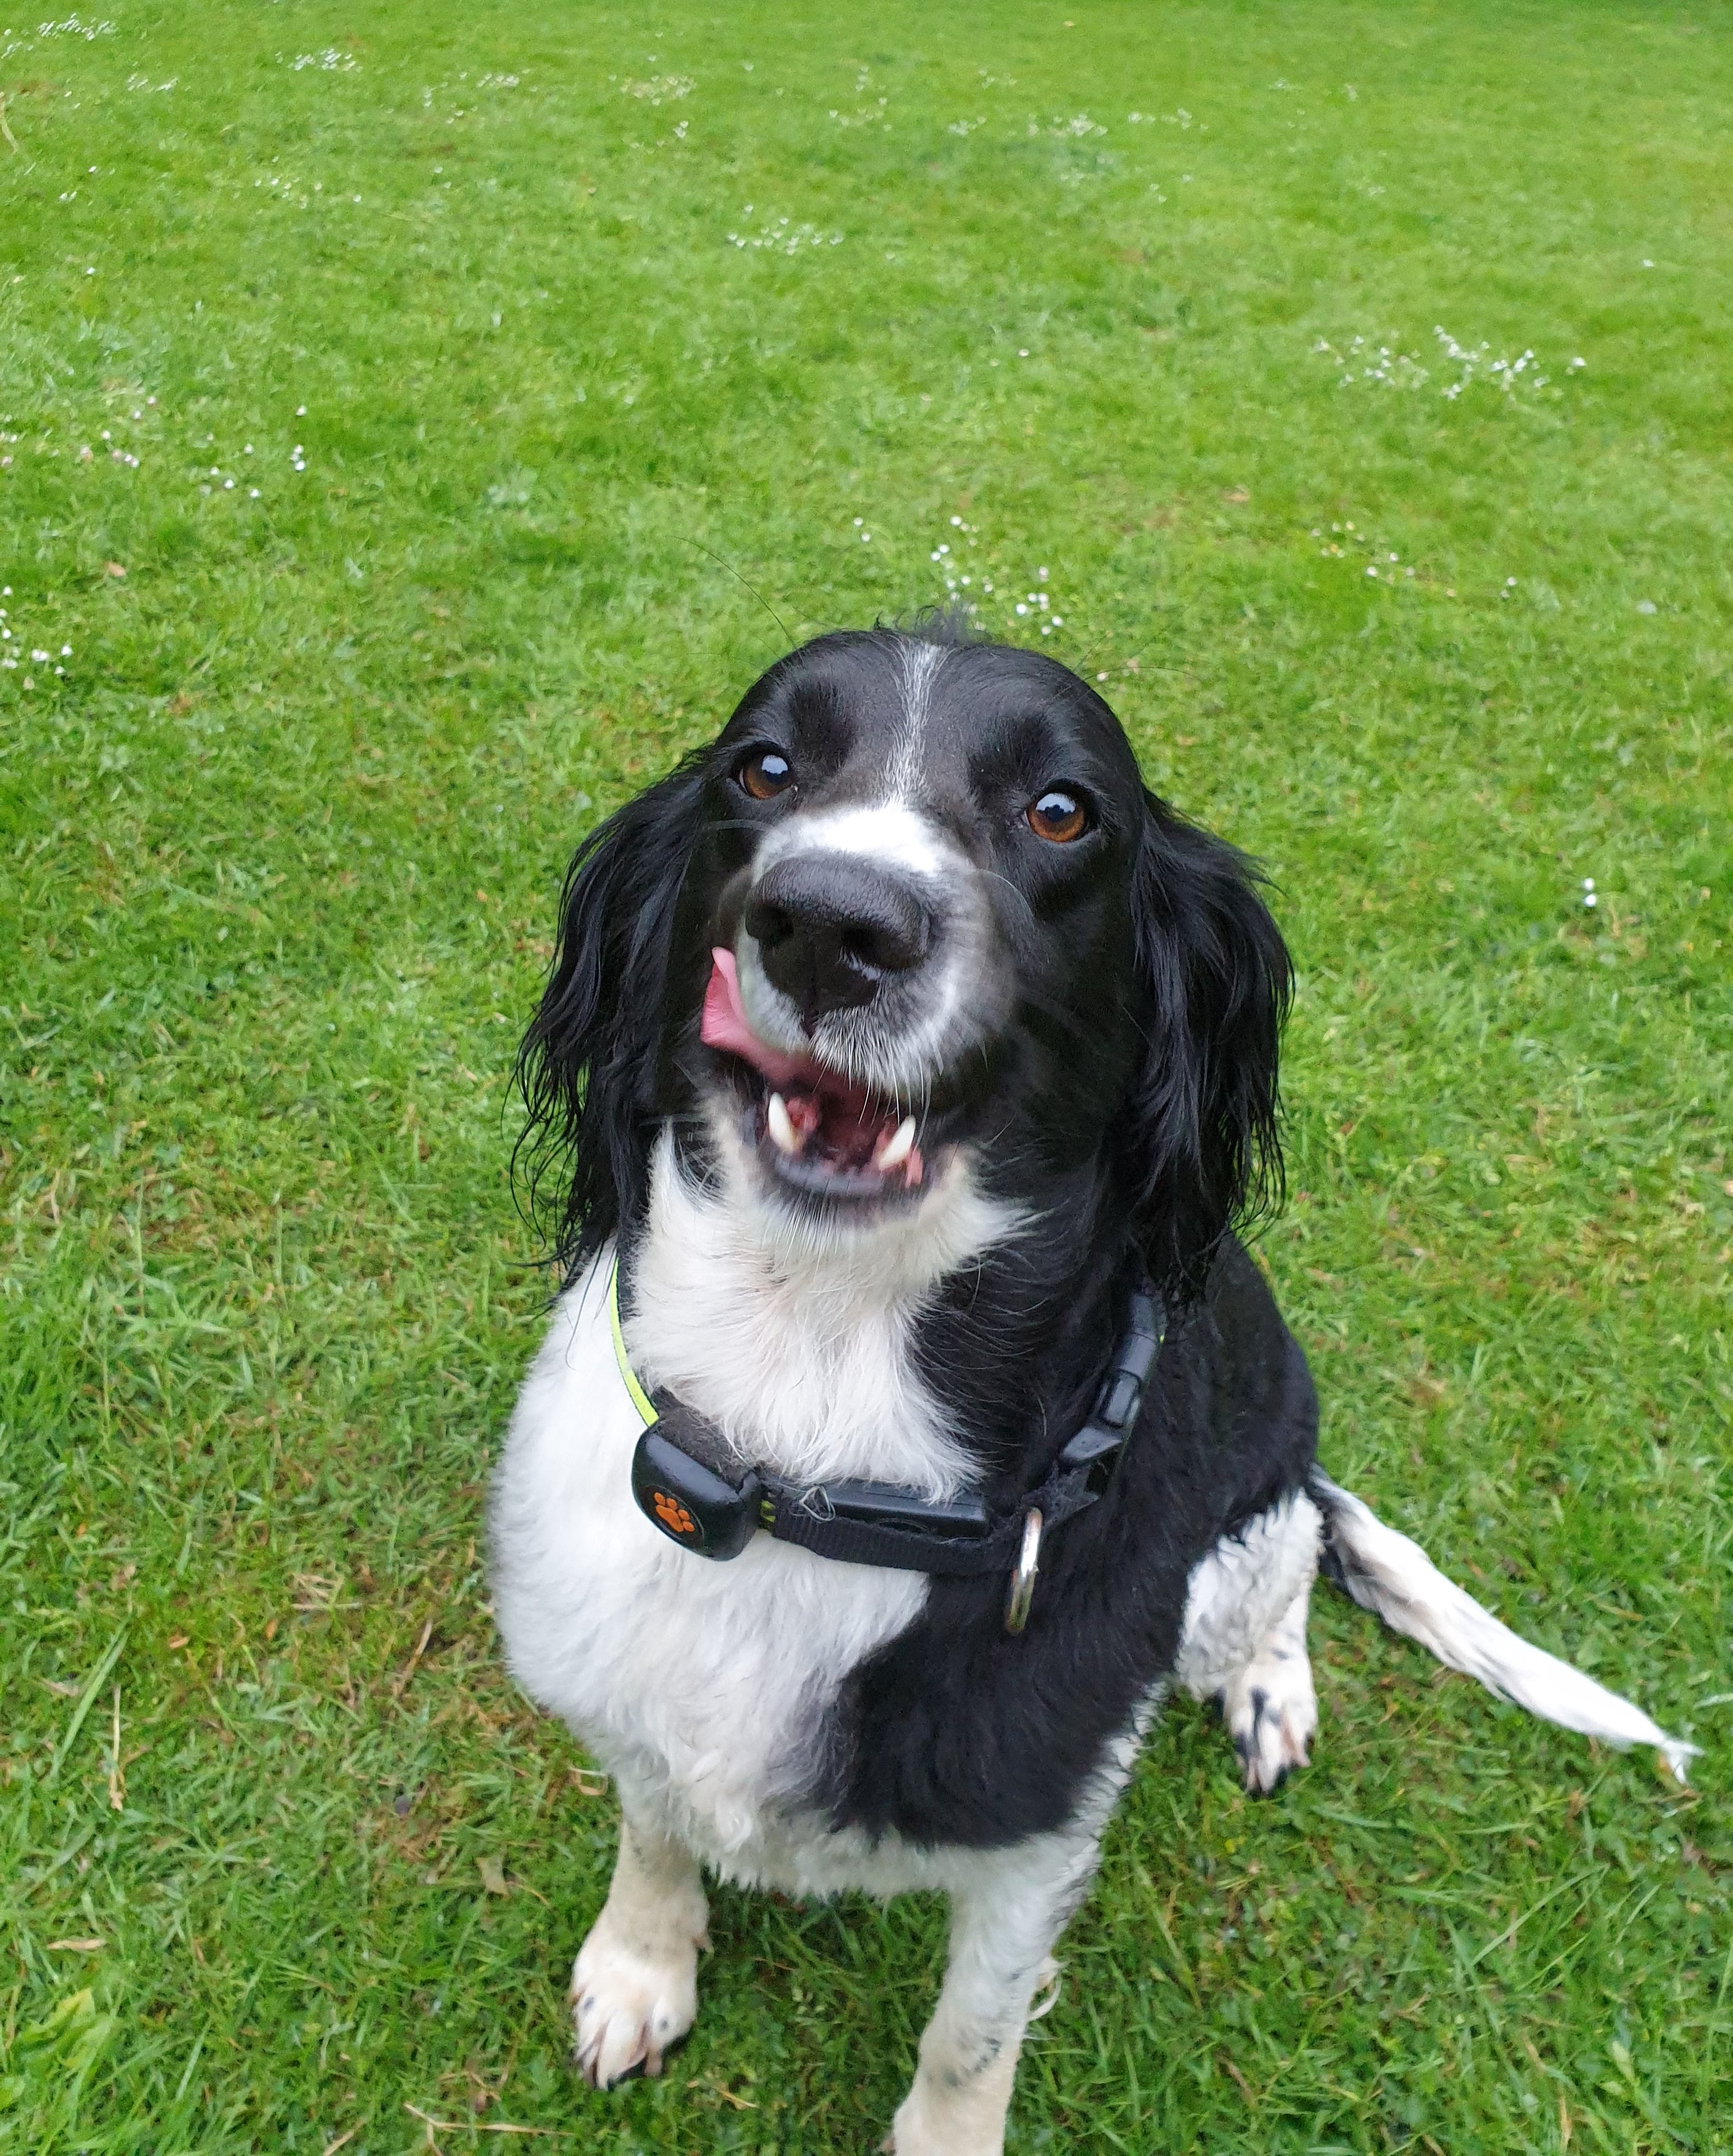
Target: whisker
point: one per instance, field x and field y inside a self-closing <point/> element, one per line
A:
<point x="722" y="562"/>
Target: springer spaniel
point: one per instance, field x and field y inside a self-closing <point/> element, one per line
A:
<point x="912" y="1420"/>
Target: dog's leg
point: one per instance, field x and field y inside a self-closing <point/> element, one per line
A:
<point x="1269" y="1705"/>
<point x="1243" y="1642"/>
<point x="634" y="1983"/>
<point x="1005" y="1923"/>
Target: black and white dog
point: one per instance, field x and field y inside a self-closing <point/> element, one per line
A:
<point x="907" y="1064"/>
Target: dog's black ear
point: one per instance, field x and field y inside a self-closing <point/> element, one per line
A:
<point x="588" y="1065"/>
<point x="1202" y="1139"/>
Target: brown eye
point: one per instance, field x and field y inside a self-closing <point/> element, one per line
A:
<point x="766" y="774"/>
<point x="1058" y="817"/>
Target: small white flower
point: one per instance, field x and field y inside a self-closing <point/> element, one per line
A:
<point x="1646" y="606"/>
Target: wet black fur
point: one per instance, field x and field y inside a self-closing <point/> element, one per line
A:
<point x="956" y="1733"/>
<point x="1138" y="1107"/>
<point x="590" y="1063"/>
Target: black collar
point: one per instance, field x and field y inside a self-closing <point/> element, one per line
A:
<point x="687" y="1485"/>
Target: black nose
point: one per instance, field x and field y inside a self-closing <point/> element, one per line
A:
<point x="831" y="930"/>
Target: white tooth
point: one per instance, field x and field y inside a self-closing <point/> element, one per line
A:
<point x="782" y="1130"/>
<point x="900" y="1146"/>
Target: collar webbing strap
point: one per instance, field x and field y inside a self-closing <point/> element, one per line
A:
<point x="688" y="1484"/>
<point x="641" y="1398"/>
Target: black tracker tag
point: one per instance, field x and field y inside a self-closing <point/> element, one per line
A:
<point x="693" y="1504"/>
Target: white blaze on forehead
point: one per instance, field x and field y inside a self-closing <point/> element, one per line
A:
<point x="920" y="666"/>
<point x="947" y="1003"/>
<point x="887" y="833"/>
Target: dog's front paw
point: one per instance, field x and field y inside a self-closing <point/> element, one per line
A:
<point x="958" y="2109"/>
<point x="630" y="2004"/>
<point x="1271" y="1710"/>
<point x="943" y="2129"/>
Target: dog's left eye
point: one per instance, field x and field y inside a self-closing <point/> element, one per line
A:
<point x="765" y="773"/>
<point x="1058" y="817"/>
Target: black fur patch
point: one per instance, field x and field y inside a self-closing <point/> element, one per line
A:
<point x="956" y="1733"/>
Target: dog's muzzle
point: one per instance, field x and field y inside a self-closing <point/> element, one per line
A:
<point x="833" y="931"/>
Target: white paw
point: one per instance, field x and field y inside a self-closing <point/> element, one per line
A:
<point x="958" y="2110"/>
<point x="1271" y="1710"/>
<point x="631" y="2003"/>
<point x="924" y="2129"/>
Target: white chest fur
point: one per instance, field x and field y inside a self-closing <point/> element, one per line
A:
<point x="796" y="1342"/>
<point x="705" y="1687"/>
<point x="705" y="1684"/>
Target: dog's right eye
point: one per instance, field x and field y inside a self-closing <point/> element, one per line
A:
<point x="765" y="773"/>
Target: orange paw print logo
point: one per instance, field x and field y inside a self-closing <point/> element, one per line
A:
<point x="673" y="1515"/>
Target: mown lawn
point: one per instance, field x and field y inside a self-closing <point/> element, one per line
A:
<point x="420" y="423"/>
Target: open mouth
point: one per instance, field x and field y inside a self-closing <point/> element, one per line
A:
<point x="815" y="1130"/>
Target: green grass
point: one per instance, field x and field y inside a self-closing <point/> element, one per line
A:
<point x="281" y="848"/>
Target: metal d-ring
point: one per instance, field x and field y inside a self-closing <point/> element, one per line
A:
<point x="1021" y="1592"/>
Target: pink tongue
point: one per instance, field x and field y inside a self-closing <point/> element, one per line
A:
<point x="724" y="1026"/>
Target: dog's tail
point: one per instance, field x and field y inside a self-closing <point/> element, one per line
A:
<point x="1387" y="1573"/>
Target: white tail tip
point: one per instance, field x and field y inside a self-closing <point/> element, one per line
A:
<point x="1386" y="1573"/>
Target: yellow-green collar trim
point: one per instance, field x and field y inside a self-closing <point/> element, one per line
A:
<point x="641" y="1398"/>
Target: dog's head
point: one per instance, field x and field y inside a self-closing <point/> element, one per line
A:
<point x="913" y="923"/>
